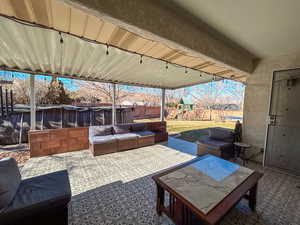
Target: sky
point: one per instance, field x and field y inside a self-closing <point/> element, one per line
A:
<point x="68" y="83"/>
<point x="196" y="90"/>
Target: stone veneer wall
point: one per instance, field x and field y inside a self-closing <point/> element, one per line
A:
<point x="54" y="141"/>
<point x="257" y="97"/>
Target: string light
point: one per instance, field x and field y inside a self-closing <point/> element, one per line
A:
<point x="200" y="75"/>
<point x="141" y="60"/>
<point x="107" y="52"/>
<point x="95" y="42"/>
<point x="167" y="67"/>
<point x="61" y="39"/>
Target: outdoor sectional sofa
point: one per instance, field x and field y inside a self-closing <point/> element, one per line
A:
<point x="109" y="139"/>
<point x="40" y="200"/>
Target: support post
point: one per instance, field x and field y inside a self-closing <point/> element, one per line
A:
<point x="113" y="104"/>
<point x="162" y="105"/>
<point x="32" y="103"/>
<point x="76" y="118"/>
<point x="21" y="129"/>
<point x="6" y="103"/>
<point x="61" y="118"/>
<point x="11" y="101"/>
<point x="1" y="102"/>
<point x="42" y="122"/>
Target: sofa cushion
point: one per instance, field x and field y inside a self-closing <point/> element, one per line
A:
<point x="138" y="127"/>
<point x="144" y="133"/>
<point x="126" y="136"/>
<point x="100" y="130"/>
<point x="10" y="179"/>
<point x="221" y="134"/>
<point x="39" y="194"/>
<point x="103" y="139"/>
<point x="157" y="128"/>
<point x="121" y="129"/>
<point x="216" y="144"/>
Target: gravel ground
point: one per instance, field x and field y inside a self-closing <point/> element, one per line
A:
<point x="19" y="152"/>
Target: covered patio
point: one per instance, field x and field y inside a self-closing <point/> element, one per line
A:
<point x="153" y="44"/>
<point x="118" y="188"/>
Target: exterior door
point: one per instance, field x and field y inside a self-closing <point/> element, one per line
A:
<point x="283" y="139"/>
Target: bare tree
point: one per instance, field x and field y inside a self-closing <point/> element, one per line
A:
<point x="219" y="92"/>
<point x="96" y="91"/>
<point x="21" y="90"/>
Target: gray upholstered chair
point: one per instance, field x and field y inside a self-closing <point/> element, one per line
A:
<point x="218" y="143"/>
<point x="34" y="201"/>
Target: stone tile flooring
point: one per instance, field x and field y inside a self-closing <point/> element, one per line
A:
<point x="118" y="189"/>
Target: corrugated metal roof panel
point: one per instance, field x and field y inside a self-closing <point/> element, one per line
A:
<point x="56" y="15"/>
<point x="40" y="50"/>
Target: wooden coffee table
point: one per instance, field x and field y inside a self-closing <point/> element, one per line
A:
<point x="204" y="190"/>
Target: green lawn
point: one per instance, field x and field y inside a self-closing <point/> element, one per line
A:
<point x="192" y="130"/>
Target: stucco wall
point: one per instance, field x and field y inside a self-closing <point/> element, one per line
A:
<point x="257" y="97"/>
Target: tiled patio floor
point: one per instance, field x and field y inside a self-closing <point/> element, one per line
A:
<point x="118" y="189"/>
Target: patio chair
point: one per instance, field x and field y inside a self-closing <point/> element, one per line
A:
<point x="218" y="143"/>
<point x="34" y="201"/>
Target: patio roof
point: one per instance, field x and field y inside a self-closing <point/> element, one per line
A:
<point x="44" y="51"/>
<point x="82" y="54"/>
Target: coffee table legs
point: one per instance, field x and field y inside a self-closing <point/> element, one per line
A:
<point x="252" y="197"/>
<point x="176" y="210"/>
<point x="160" y="199"/>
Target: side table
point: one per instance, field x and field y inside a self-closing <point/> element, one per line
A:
<point x="243" y="147"/>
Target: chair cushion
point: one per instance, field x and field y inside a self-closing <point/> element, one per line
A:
<point x="221" y="134"/>
<point x="39" y="194"/>
<point x="126" y="136"/>
<point x="103" y="139"/>
<point x="10" y="179"/>
<point x="100" y="130"/>
<point x="144" y="133"/>
<point x="217" y="144"/>
<point x="138" y="127"/>
<point x="121" y="129"/>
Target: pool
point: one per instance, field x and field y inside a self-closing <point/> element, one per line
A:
<point x="232" y="117"/>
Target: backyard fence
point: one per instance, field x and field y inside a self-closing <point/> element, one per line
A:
<point x="14" y="128"/>
<point x="146" y="112"/>
<point x="138" y="112"/>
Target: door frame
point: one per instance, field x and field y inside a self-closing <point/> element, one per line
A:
<point x="269" y="110"/>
